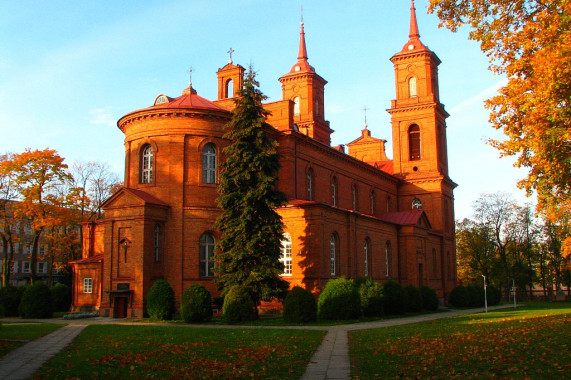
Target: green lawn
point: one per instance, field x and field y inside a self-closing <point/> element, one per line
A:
<point x="113" y="351"/>
<point x="14" y="335"/>
<point x="533" y="341"/>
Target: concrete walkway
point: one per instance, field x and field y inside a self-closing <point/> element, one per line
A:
<point x="330" y="361"/>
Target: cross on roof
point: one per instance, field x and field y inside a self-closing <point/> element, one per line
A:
<point x="365" y="109"/>
<point x="190" y="76"/>
<point x="230" y="52"/>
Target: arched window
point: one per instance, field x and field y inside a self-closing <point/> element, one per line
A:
<point x="334" y="191"/>
<point x="229" y="90"/>
<point x="414" y="142"/>
<point x="388" y="258"/>
<point x="316" y="106"/>
<point x="147" y="161"/>
<point x="366" y="245"/>
<point x="156" y="245"/>
<point x="296" y="109"/>
<point x="209" y="163"/>
<point x="333" y="254"/>
<point x="207" y="243"/>
<point x="388" y="204"/>
<point x="372" y="201"/>
<point x="434" y="263"/>
<point x="354" y="196"/>
<point x="412" y="87"/>
<point x="309" y="184"/>
<point x="416" y="204"/>
<point x="285" y="257"/>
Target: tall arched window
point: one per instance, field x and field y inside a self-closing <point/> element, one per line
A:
<point x="157" y="242"/>
<point x="414" y="142"/>
<point x="366" y="246"/>
<point x="309" y="184"/>
<point x="296" y="108"/>
<point x="434" y="263"/>
<point x="285" y="257"/>
<point x="334" y="191"/>
<point x="412" y="87"/>
<point x="388" y="204"/>
<point x="147" y="161"/>
<point x="229" y="90"/>
<point x="388" y="258"/>
<point x="372" y="201"/>
<point x="333" y="254"/>
<point x="209" y="163"/>
<point x="354" y="196"/>
<point x="207" y="243"/>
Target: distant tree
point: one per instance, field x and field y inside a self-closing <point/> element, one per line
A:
<point x="251" y="230"/>
<point x="476" y="251"/>
<point x="8" y="224"/>
<point x="528" y="41"/>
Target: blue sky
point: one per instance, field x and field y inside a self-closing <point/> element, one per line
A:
<point x="70" y="69"/>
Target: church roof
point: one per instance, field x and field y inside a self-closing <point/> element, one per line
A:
<point x="188" y="99"/>
<point x="302" y="64"/>
<point x="403" y="218"/>
<point x="87" y="260"/>
<point x="414" y="43"/>
<point x="385" y="166"/>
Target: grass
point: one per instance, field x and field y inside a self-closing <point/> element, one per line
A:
<point x="532" y="341"/>
<point x="121" y="351"/>
<point x="15" y="335"/>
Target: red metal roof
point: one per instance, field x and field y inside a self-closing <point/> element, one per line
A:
<point x="148" y="198"/>
<point x="87" y="260"/>
<point x="189" y="99"/>
<point x="402" y="218"/>
<point x="386" y="166"/>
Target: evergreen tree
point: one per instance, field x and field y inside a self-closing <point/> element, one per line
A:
<point x="249" y="250"/>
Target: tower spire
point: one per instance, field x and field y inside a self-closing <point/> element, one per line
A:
<point x="302" y="55"/>
<point x="413" y="24"/>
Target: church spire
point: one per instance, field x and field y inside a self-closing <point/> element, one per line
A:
<point x="302" y="55"/>
<point x="413" y="24"/>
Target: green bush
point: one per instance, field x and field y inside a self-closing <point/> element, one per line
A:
<point x="429" y="298"/>
<point x="476" y="294"/>
<point x="10" y="297"/>
<point x="238" y="305"/>
<point x="196" y="304"/>
<point x="300" y="306"/>
<point x="371" y="294"/>
<point x="459" y="296"/>
<point x="414" y="299"/>
<point x="61" y="297"/>
<point x="396" y="298"/>
<point x="160" y="301"/>
<point x="339" y="300"/>
<point x="36" y="302"/>
<point x="494" y="295"/>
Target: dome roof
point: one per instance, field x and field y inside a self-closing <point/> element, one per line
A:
<point x="188" y="99"/>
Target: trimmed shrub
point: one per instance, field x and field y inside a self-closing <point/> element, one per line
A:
<point x="476" y="294"/>
<point x="459" y="296"/>
<point x="61" y="297"/>
<point x="300" y="306"/>
<point x="10" y="297"/>
<point x="160" y="301"/>
<point x="396" y="298"/>
<point x="429" y="298"/>
<point x="371" y="294"/>
<point x="196" y="304"/>
<point x="339" y="300"/>
<point x="238" y="305"/>
<point x="494" y="295"/>
<point x="36" y="302"/>
<point x="414" y="299"/>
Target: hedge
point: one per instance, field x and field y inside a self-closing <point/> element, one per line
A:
<point x="196" y="304"/>
<point x="160" y="301"/>
<point x="339" y="300"/>
<point x="300" y="306"/>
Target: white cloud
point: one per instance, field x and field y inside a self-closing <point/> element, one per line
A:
<point x="102" y="116"/>
<point x="478" y="99"/>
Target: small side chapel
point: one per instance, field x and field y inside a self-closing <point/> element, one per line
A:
<point x="352" y="214"/>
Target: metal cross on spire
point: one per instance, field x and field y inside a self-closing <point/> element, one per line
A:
<point x="365" y="109"/>
<point x="230" y="52"/>
<point x="190" y="77"/>
<point x="302" y="14"/>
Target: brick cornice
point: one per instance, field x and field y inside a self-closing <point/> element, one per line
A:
<point x="223" y="116"/>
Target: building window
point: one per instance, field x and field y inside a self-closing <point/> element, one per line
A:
<point x="366" y="256"/>
<point x="25" y="267"/>
<point x="412" y="87"/>
<point x="434" y="263"/>
<point x="333" y="254"/>
<point x="354" y="195"/>
<point x="42" y="267"/>
<point x="87" y="285"/>
<point x="372" y="201"/>
<point x="388" y="258"/>
<point x="414" y="142"/>
<point x="156" y="241"/>
<point x="296" y="110"/>
<point x="416" y="203"/>
<point x="207" y="243"/>
<point x="14" y="267"/>
<point x="147" y="162"/>
<point x="209" y="164"/>
<point x="286" y="254"/>
<point x="334" y="191"/>
<point x="229" y="90"/>
<point x="388" y="204"/>
<point x="309" y="184"/>
<point x="42" y="250"/>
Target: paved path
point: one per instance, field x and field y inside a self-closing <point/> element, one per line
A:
<point x="330" y="361"/>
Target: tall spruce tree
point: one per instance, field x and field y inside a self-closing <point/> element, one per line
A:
<point x="249" y="250"/>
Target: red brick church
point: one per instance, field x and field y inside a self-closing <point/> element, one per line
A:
<point x="350" y="213"/>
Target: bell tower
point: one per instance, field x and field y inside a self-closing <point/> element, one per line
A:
<point x="419" y="132"/>
<point x="306" y="90"/>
